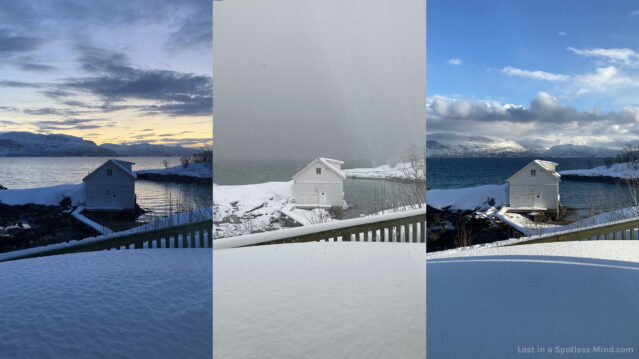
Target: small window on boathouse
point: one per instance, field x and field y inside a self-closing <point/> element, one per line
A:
<point x="109" y="172"/>
<point x="318" y="170"/>
<point x="533" y="172"/>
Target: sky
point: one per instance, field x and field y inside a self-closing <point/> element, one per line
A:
<point x="301" y="79"/>
<point x="110" y="71"/>
<point x="538" y="72"/>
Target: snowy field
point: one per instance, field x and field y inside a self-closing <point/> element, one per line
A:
<point x="568" y="298"/>
<point x="195" y="169"/>
<point x="616" y="170"/>
<point x="399" y="171"/>
<point x="117" y="304"/>
<point x="320" y="300"/>
<point x="469" y="198"/>
<point x="246" y="208"/>
<point x="49" y="196"/>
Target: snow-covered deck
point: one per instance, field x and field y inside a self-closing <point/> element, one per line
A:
<point x="539" y="300"/>
<point x="320" y="300"/>
<point x="116" y="304"/>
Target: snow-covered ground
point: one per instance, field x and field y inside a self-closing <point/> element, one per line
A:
<point x="574" y="298"/>
<point x="307" y="217"/>
<point x="116" y="304"/>
<point x="320" y="300"/>
<point x="616" y="170"/>
<point x="399" y="171"/>
<point x="486" y="199"/>
<point x="195" y="169"/>
<point x="530" y="228"/>
<point x="469" y="198"/>
<point x="49" y="196"/>
<point x="243" y="209"/>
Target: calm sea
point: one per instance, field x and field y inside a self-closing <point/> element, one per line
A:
<point x="161" y="198"/>
<point x="442" y="173"/>
<point x="363" y="196"/>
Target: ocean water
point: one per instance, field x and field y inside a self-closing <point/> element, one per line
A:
<point x="586" y="198"/>
<point x="363" y="196"/>
<point x="160" y="198"/>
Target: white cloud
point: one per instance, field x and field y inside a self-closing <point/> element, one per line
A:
<point x="603" y="77"/>
<point x="455" y="61"/>
<point x="633" y="13"/>
<point x="539" y="75"/>
<point x="545" y="120"/>
<point x="621" y="56"/>
<point x="561" y="33"/>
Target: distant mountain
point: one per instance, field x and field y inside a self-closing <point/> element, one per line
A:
<point x="569" y="150"/>
<point x="14" y="144"/>
<point x="443" y="144"/>
<point x="146" y="149"/>
<point x="17" y="144"/>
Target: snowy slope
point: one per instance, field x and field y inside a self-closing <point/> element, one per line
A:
<point x="442" y="144"/>
<point x="31" y="144"/>
<point x="559" y="296"/>
<point x="49" y="196"/>
<point x="320" y="300"/>
<point x="399" y="171"/>
<point x="468" y="198"/>
<point x="196" y="169"/>
<point x="616" y="170"/>
<point x="116" y="304"/>
<point x="257" y="205"/>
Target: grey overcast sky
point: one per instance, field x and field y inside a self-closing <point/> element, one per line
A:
<point x="299" y="79"/>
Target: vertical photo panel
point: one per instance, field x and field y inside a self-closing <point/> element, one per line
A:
<point x="106" y="179"/>
<point x="319" y="186"/>
<point x="532" y="179"/>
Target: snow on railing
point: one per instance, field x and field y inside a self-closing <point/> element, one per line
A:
<point x="184" y="235"/>
<point x="624" y="229"/>
<point x="404" y="226"/>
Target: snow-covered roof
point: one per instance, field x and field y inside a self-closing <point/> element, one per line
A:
<point x="547" y="166"/>
<point x="118" y="165"/>
<point x="327" y="162"/>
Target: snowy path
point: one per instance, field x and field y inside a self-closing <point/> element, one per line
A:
<point x="494" y="302"/>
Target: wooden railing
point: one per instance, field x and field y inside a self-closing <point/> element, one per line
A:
<point x="191" y="235"/>
<point x="627" y="229"/>
<point x="404" y="226"/>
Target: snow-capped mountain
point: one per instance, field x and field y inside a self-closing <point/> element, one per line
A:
<point x="443" y="144"/>
<point x="16" y="144"/>
<point x="146" y="149"/>
<point x="13" y="144"/>
<point x="568" y="150"/>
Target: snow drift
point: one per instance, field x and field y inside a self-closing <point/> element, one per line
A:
<point x="496" y="302"/>
<point x="469" y="198"/>
<point x="320" y="300"/>
<point x="116" y="304"/>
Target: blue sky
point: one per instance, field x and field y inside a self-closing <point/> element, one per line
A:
<point x="108" y="70"/>
<point x="545" y="72"/>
